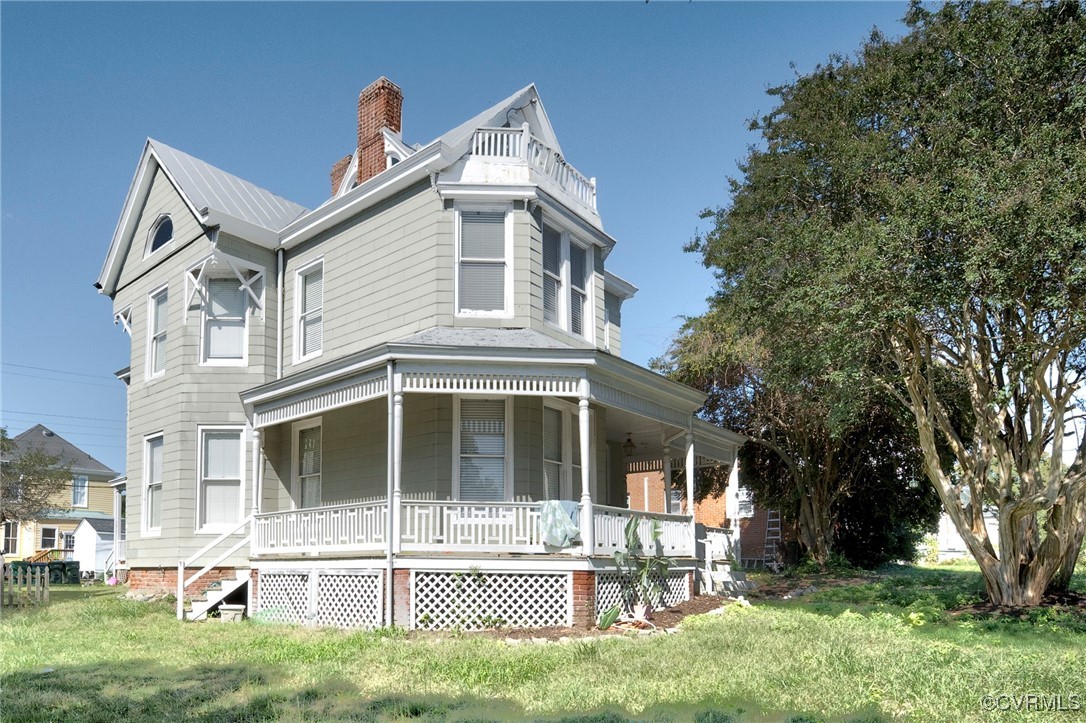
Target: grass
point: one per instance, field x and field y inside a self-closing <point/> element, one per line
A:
<point x="882" y="649"/>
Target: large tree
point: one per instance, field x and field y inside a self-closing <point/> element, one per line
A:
<point x="922" y="205"/>
<point x="30" y="479"/>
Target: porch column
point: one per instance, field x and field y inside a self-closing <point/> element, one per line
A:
<point x="667" y="480"/>
<point x="588" y="524"/>
<point x="691" y="471"/>
<point x="258" y="473"/>
<point x="116" y="529"/>
<point x="397" y="461"/>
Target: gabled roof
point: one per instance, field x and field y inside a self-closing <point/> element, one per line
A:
<point x="42" y="438"/>
<point x="98" y="525"/>
<point x="526" y="100"/>
<point x="215" y="197"/>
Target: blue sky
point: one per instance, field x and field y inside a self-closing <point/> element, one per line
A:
<point x="651" y="99"/>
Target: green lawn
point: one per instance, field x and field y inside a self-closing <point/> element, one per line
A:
<point x="884" y="649"/>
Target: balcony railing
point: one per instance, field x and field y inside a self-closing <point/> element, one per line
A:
<point x="449" y="526"/>
<point x="519" y="143"/>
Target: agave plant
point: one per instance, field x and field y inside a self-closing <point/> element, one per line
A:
<point x="643" y="565"/>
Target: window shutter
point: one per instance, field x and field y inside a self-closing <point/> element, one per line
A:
<point x="552" y="255"/>
<point x="552" y="272"/>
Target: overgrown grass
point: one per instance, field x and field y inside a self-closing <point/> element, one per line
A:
<point x="855" y="653"/>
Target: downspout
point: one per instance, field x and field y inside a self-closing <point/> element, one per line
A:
<point x="389" y="620"/>
<point x="279" y="315"/>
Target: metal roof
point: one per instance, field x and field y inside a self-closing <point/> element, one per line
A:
<point x="209" y="187"/>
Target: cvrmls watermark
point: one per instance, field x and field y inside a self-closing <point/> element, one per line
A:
<point x="1033" y="702"/>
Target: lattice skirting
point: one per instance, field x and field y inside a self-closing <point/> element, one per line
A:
<point x="612" y="588"/>
<point x="330" y="598"/>
<point x="476" y="600"/>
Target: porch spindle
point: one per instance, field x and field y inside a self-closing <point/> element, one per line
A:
<point x="588" y="523"/>
<point x="691" y="470"/>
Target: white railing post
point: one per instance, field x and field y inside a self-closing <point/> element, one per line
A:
<point x="691" y="472"/>
<point x="592" y="183"/>
<point x="525" y="138"/>
<point x="588" y="520"/>
<point x="667" y="480"/>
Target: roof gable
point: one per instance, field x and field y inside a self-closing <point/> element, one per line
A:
<point x="42" y="438"/>
<point x="523" y="106"/>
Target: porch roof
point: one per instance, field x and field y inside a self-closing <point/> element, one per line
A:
<point x="502" y="361"/>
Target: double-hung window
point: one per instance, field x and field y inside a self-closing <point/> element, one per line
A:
<point x="481" y="467"/>
<point x="483" y="266"/>
<point x="220" y="479"/>
<point x="152" y="502"/>
<point x="307" y="456"/>
<point x="567" y="274"/>
<point x="49" y="536"/>
<point x="561" y="451"/>
<point x="79" y="490"/>
<point x="309" y="330"/>
<point x="11" y="539"/>
<point x="157" y="320"/>
<point x="225" y="315"/>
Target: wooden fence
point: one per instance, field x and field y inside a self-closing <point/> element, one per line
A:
<point x="22" y="587"/>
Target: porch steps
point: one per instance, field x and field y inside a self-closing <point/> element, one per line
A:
<point x="214" y="595"/>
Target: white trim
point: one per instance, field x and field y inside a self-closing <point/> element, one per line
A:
<point x="295" y="478"/>
<point x="124" y="318"/>
<point x="153" y="231"/>
<point x="150" y="373"/>
<point x="508" y="461"/>
<point x="201" y="430"/>
<point x="298" y="356"/>
<point x="86" y="490"/>
<point x="507" y="311"/>
<point x="145" y="529"/>
<point x="569" y="239"/>
<point x="41" y="542"/>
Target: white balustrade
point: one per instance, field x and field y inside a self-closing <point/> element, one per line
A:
<point x="610" y="525"/>
<point x="471" y="526"/>
<point x="340" y="527"/>
<point x="510" y="143"/>
<point x="720" y="544"/>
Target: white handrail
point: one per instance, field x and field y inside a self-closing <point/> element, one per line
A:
<point x="182" y="583"/>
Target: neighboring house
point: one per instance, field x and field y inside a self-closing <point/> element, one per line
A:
<point x="361" y="414"/>
<point x="88" y="496"/>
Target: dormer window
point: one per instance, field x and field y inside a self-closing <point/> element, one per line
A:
<point x="160" y="234"/>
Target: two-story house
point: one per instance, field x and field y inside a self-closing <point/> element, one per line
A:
<point x="90" y="495"/>
<point x="372" y="412"/>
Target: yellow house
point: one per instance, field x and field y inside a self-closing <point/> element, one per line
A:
<point x="88" y="496"/>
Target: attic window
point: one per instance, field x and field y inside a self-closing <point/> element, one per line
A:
<point x="161" y="233"/>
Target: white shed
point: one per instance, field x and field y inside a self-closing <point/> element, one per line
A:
<point x="93" y="544"/>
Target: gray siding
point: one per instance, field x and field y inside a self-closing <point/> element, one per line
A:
<point x="613" y="306"/>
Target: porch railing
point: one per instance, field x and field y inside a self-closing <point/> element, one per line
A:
<point x="611" y="522"/>
<point x="519" y="143"/>
<point x="470" y="526"/>
<point x="342" y="527"/>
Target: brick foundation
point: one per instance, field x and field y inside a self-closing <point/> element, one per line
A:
<point x="163" y="579"/>
<point x="584" y="598"/>
<point x="401" y="598"/>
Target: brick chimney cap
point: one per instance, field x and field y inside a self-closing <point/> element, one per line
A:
<point x="381" y="83"/>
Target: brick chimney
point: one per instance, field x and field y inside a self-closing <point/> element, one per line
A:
<point x="380" y="105"/>
<point x="338" y="172"/>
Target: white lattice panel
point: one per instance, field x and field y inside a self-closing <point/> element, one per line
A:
<point x="283" y="597"/>
<point x="349" y="600"/>
<point x="476" y="600"/>
<point x="612" y="588"/>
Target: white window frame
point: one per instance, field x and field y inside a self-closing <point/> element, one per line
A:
<point x="569" y="488"/>
<point x="508" y="465"/>
<point x="152" y="340"/>
<point x="565" y="290"/>
<point x="41" y="537"/>
<point x="298" y="290"/>
<point x="744" y="507"/>
<point x="81" y="480"/>
<point x="202" y="430"/>
<point x="295" y="460"/>
<point x="562" y="296"/>
<point x="13" y="537"/>
<point x="145" y="505"/>
<point x="205" y="318"/>
<point x="507" y="311"/>
<point x="154" y="230"/>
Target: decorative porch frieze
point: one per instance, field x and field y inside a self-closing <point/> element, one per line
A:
<point x="507" y="383"/>
<point x="352" y="391"/>
<point x="612" y="396"/>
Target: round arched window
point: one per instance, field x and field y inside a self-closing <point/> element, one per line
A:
<point x="161" y="233"/>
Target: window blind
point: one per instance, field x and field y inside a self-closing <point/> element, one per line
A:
<point x="220" y="496"/>
<point x="552" y="453"/>
<point x="158" y="333"/>
<point x="482" y="450"/>
<point x="552" y="273"/>
<point x="482" y="261"/>
<point x="309" y="466"/>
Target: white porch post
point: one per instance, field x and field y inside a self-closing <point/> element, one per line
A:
<point x="258" y="474"/>
<point x="667" y="480"/>
<point x="588" y="525"/>
<point x="117" y="531"/>
<point x="691" y="471"/>
<point x="397" y="459"/>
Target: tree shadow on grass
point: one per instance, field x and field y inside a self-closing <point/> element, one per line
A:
<point x="144" y="691"/>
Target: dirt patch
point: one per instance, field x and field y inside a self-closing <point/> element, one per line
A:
<point x="778" y="587"/>
<point x="663" y="620"/>
<point x="1067" y="602"/>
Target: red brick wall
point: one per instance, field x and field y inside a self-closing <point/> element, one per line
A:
<point x="401" y="598"/>
<point x="163" y="579"/>
<point x="711" y="511"/>
<point x="254" y="580"/>
<point x="584" y="598"/>
<point x="380" y="105"/>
